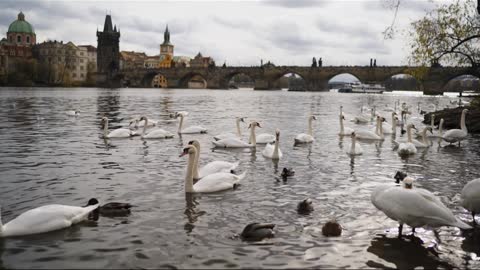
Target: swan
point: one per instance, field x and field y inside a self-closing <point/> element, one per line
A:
<point x="439" y="133"/>
<point x="344" y="131"/>
<point x="45" y="219"/>
<point x="154" y="134"/>
<point x="212" y="167"/>
<point x="265" y="138"/>
<point x="306" y="137"/>
<point x="210" y="183"/>
<point x="117" y="133"/>
<point x="232" y="135"/>
<point x="189" y="130"/>
<point x="425" y="142"/>
<point x="414" y="207"/>
<point x="363" y="118"/>
<point x="273" y="151"/>
<point x="149" y="123"/>
<point x="72" y="113"/>
<point x="470" y="197"/>
<point x="355" y="149"/>
<point x="236" y="142"/>
<point x="457" y="135"/>
<point x="370" y="135"/>
<point x="257" y="231"/>
<point x="407" y="148"/>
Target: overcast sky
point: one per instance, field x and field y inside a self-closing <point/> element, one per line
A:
<point x="286" y="32"/>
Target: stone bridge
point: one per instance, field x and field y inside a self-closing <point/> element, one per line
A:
<point x="316" y="78"/>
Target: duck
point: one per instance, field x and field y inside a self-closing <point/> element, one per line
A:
<point x="46" y="218"/>
<point x="154" y="134"/>
<point x="407" y="148"/>
<point x="370" y="135"/>
<point x="306" y="137"/>
<point x="273" y="150"/>
<point x="305" y="207"/>
<point x="72" y="113"/>
<point x="117" y="133"/>
<point x="211" y="183"/>
<point x="399" y="176"/>
<point x="332" y="228"/>
<point x="355" y="149"/>
<point x="211" y="167"/>
<point x="188" y="130"/>
<point x="232" y="135"/>
<point x="286" y="172"/>
<point x="111" y="209"/>
<point x="414" y="207"/>
<point x="457" y="135"/>
<point x="257" y="231"/>
<point x="344" y="131"/>
<point x="470" y="197"/>
<point x="237" y="142"/>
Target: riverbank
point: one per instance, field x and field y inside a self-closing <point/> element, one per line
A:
<point x="451" y="118"/>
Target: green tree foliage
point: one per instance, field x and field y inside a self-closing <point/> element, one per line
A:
<point x="448" y="35"/>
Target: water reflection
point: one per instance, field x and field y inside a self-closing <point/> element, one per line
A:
<point x="191" y="212"/>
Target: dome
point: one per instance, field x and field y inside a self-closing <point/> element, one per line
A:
<point x="21" y="26"/>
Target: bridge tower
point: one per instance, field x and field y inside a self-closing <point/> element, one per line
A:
<point x="108" y="51"/>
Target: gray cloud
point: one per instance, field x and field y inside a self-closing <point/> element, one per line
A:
<point x="295" y="3"/>
<point x="352" y="30"/>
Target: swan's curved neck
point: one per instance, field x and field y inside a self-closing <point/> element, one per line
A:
<point x="180" y="125"/>
<point x="440" y="128"/>
<point x="189" y="177"/>
<point x="342" y="129"/>
<point x="409" y="134"/>
<point x="424" y="136"/>
<point x="380" y="128"/>
<point x="432" y="121"/>
<point x="239" y="132"/>
<point x="275" y="149"/>
<point x="462" y="122"/>
<point x="394" y="126"/>
<point x="145" y="127"/>
<point x="253" y="139"/>
<point x="310" y="130"/>
<point x="105" y="128"/>
<point x="197" y="158"/>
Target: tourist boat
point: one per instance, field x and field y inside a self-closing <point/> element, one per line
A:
<point x="362" y="88"/>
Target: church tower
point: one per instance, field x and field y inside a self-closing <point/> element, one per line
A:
<point x="166" y="48"/>
<point x="108" y="49"/>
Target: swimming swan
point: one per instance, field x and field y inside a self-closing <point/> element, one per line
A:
<point x="45" y="219"/>
<point x="212" y="167"/>
<point x="344" y="131"/>
<point x="425" y="142"/>
<point x="407" y="148"/>
<point x="238" y="143"/>
<point x="154" y="134"/>
<point x="355" y="149"/>
<point x="117" y="133"/>
<point x="232" y="135"/>
<point x="414" y="207"/>
<point x="210" y="183"/>
<point x="470" y="197"/>
<point x="189" y="130"/>
<point x="457" y="135"/>
<point x="273" y="151"/>
<point x="439" y="133"/>
<point x="306" y="137"/>
<point x="370" y="135"/>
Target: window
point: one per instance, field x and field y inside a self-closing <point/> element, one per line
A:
<point x="74" y="75"/>
<point x="81" y="60"/>
<point x="19" y="38"/>
<point x="28" y="39"/>
<point x="81" y="54"/>
<point x="11" y="38"/>
<point x="81" y="75"/>
<point x="81" y="67"/>
<point x="12" y="52"/>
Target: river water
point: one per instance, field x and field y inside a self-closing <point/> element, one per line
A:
<point x="49" y="157"/>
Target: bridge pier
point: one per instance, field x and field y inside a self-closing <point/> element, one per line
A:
<point x="432" y="87"/>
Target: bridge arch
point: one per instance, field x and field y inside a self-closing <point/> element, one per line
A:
<point x="401" y="81"/>
<point x="294" y="81"/>
<point x="237" y="78"/>
<point x="193" y="80"/>
<point x="467" y="81"/>
<point x="155" y="79"/>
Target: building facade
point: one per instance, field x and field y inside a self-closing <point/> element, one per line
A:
<point x="108" y="49"/>
<point x="132" y="60"/>
<point x="201" y="62"/>
<point x="166" y="50"/>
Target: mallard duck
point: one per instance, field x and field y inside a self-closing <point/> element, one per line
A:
<point x="257" y="231"/>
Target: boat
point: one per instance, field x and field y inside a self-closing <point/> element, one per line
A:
<point x="367" y="88"/>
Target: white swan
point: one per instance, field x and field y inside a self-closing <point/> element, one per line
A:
<point x="149" y="123"/>
<point x="425" y="142"/>
<point x="414" y="207"/>
<point x="344" y="131"/>
<point x="212" y="167"/>
<point x="457" y="135"/>
<point x="238" y="143"/>
<point x="189" y="130"/>
<point x="470" y="197"/>
<point x="72" y="113"/>
<point x="407" y="148"/>
<point x="306" y="137"/>
<point x="265" y="138"/>
<point x="273" y="151"/>
<point x="117" y="133"/>
<point x="355" y="149"/>
<point x="45" y="219"/>
<point x="210" y="183"/>
<point x="370" y="135"/>
<point x="154" y="134"/>
<point x="439" y="133"/>
<point x="232" y="135"/>
<point x="363" y="118"/>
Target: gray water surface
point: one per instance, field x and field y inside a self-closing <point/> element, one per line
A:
<point x="49" y="157"/>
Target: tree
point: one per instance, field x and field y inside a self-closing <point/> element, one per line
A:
<point x="448" y="35"/>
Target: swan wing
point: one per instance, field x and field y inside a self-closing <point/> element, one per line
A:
<point x="268" y="150"/>
<point x="346" y="131"/>
<point x="194" y="129"/>
<point x="265" y="138"/>
<point x="454" y="135"/>
<point x="217" y="166"/>
<point x="217" y="182"/>
<point x="231" y="143"/>
<point x="470" y="196"/>
<point x="224" y="136"/>
<point x="367" y="135"/>
<point x="46" y="218"/>
<point x="304" y="138"/>
<point x="158" y="134"/>
<point x="120" y="133"/>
